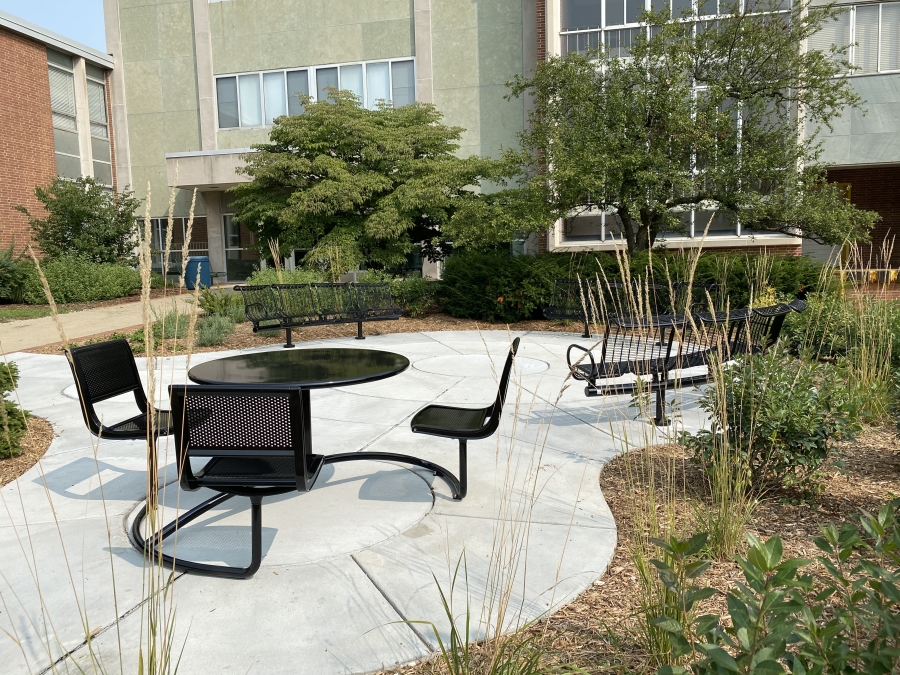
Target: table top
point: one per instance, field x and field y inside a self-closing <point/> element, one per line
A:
<point x="301" y="368"/>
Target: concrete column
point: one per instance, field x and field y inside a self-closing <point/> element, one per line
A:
<point x="83" y="118"/>
<point x="206" y="82"/>
<point x="119" y="117"/>
<point x="424" y="71"/>
<point x="214" y="232"/>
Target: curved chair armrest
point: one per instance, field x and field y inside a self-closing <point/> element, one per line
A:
<point x="575" y="373"/>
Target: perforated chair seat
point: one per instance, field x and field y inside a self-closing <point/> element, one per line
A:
<point x="440" y="420"/>
<point x="138" y="424"/>
<point x="259" y="471"/>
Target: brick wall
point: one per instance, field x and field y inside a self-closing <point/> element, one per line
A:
<point x="875" y="189"/>
<point x="27" y="132"/>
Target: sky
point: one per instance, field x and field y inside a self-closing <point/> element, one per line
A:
<point x="80" y="20"/>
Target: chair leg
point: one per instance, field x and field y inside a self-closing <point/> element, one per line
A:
<point x="587" y="329"/>
<point x="148" y="546"/>
<point x="288" y="339"/>
<point x="463" y="470"/>
<point x="436" y="469"/>
<point x="660" y="420"/>
<point x="359" y="334"/>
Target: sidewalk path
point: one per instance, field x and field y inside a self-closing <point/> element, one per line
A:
<point x="29" y="333"/>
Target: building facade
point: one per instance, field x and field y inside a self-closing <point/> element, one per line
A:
<point x="197" y="82"/>
<point x="54" y="108"/>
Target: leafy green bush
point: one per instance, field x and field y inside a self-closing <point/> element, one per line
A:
<point x="13" y="274"/>
<point x="13" y="420"/>
<point x="777" y="414"/>
<point x="269" y="276"/>
<point x="843" y="619"/>
<point x="223" y="303"/>
<point x="74" y="279"/>
<point x="415" y="294"/>
<point x="213" y="329"/>
<point x="171" y="325"/>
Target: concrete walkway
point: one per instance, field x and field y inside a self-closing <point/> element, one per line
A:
<point x="350" y="563"/>
<point x="29" y="333"/>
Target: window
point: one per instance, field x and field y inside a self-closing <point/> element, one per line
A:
<point x="257" y="99"/>
<point x="241" y="260"/>
<point x="871" y="31"/>
<point x="62" y="105"/>
<point x="198" y="245"/>
<point x="100" y="153"/>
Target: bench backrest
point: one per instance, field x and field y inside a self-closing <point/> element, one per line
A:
<point x="375" y="299"/>
<point x="571" y="296"/>
<point x="261" y="303"/>
<point x="335" y="301"/>
<point x="297" y="300"/>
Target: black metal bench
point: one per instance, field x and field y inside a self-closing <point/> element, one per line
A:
<point x="289" y="306"/>
<point x="655" y="348"/>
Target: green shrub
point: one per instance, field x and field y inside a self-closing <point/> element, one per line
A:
<point x="213" y="329"/>
<point x="269" y="276"/>
<point x="13" y="427"/>
<point x="171" y="325"/>
<point x="777" y="414"/>
<point x="13" y="274"/>
<point x="415" y="294"/>
<point x="223" y="303"/>
<point x="73" y="279"/>
<point x="845" y="618"/>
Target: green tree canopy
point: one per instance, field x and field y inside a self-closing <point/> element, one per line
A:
<point x="360" y="186"/>
<point x="701" y="115"/>
<point x="85" y="219"/>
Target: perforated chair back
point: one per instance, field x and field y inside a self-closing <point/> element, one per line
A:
<point x="761" y="330"/>
<point x="254" y="438"/>
<point x="497" y="408"/>
<point x="101" y="372"/>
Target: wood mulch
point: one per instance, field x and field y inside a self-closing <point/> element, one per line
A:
<point x="244" y="337"/>
<point x="34" y="444"/>
<point x="597" y="631"/>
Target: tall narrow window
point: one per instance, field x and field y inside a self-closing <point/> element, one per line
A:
<point x="833" y="33"/>
<point x="62" y="105"/>
<point x="403" y="83"/>
<point x="615" y="12"/>
<point x="226" y="94"/>
<point x="251" y="109"/>
<point x="96" y="90"/>
<point x="326" y="78"/>
<point x="378" y="84"/>
<point x="297" y="83"/>
<point x="273" y="89"/>
<point x="890" y="36"/>
<point x="352" y="79"/>
<point x="865" y="58"/>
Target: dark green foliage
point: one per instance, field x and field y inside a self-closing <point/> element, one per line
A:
<point x="270" y="276"/>
<point x="213" y="329"/>
<point x="223" y="303"/>
<point x="473" y="282"/>
<point x="13" y="274"/>
<point x="13" y="422"/>
<point x="841" y="620"/>
<point x="74" y="279"/>
<point x="85" y="219"/>
<point x="415" y="294"/>
<point x="778" y="415"/>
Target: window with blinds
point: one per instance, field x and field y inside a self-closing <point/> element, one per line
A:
<point x="100" y="153"/>
<point x="871" y="31"/>
<point x="62" y="106"/>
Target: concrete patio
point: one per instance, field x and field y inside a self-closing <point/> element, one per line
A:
<point x="347" y="565"/>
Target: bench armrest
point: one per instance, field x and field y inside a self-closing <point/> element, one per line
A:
<point x="573" y="369"/>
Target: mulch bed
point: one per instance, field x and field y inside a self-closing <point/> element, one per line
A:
<point x="34" y="444"/>
<point x="244" y="337"/>
<point x="596" y="631"/>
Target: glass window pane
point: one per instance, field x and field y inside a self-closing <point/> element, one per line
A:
<point x="232" y="232"/>
<point x="378" y="83"/>
<point x="681" y="8"/>
<point x="325" y="78"/>
<point x="96" y="101"/>
<point x="103" y="172"/>
<point x="273" y="86"/>
<point x="68" y="167"/>
<point x="866" y="51"/>
<point x="62" y="91"/>
<point x="99" y="130"/>
<point x="297" y="83"/>
<point x="403" y="83"/>
<point x="251" y="104"/>
<point x="659" y="5"/>
<point x="99" y="149"/>
<point x="578" y="14"/>
<point x="94" y="72"/>
<point x="59" y="58"/>
<point x="226" y="95"/>
<point x="63" y="122"/>
<point x="707" y="7"/>
<point x="352" y="79"/>
<point x="633" y="9"/>
<point x="615" y="12"/>
<point x="833" y="33"/>
<point x="66" y="141"/>
<point x="890" y="36"/>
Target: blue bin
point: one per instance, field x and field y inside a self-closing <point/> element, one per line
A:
<point x="195" y="263"/>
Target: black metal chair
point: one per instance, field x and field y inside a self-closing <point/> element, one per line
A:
<point x="465" y="424"/>
<point x="105" y="370"/>
<point x="258" y="445"/>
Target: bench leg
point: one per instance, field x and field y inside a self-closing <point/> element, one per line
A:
<point x="359" y="335"/>
<point x="288" y="339"/>
<point x="463" y="469"/>
<point x="660" y="420"/>
<point x="587" y="329"/>
<point x="148" y="546"/>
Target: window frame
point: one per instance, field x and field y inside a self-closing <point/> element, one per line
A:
<point x="312" y="85"/>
